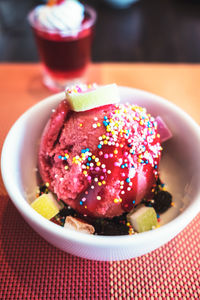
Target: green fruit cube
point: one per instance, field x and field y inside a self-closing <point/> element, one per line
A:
<point x="143" y="218"/>
<point x="100" y="96"/>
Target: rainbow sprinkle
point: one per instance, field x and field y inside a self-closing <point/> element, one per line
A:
<point x="130" y="141"/>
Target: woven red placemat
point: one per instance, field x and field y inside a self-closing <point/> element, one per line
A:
<point x="30" y="268"/>
<point x="170" y="272"/>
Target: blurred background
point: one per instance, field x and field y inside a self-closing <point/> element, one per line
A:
<point x="146" y="31"/>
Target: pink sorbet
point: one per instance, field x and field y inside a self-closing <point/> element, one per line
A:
<point x="101" y="162"/>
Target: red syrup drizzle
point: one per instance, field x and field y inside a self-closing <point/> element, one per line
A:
<point x="128" y="196"/>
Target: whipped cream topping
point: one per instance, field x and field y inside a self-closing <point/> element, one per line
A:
<point x="63" y="17"/>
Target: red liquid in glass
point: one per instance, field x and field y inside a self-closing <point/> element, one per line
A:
<point x="64" y="56"/>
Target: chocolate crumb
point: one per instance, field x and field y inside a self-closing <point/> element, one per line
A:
<point x="160" y="200"/>
<point x="163" y="200"/>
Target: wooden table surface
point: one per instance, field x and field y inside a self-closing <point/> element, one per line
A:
<point x="21" y="85"/>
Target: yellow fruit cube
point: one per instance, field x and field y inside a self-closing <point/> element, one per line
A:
<point x="47" y="206"/>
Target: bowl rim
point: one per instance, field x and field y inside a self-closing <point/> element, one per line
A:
<point x="96" y="240"/>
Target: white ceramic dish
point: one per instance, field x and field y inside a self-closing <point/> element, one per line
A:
<point x="179" y="169"/>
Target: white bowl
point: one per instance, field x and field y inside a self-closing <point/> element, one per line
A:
<point x="179" y="169"/>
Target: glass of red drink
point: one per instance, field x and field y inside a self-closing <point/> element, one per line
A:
<point x="64" y="54"/>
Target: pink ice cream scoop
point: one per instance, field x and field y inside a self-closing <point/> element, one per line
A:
<point x="101" y="162"/>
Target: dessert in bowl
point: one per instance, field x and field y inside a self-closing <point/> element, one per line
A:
<point x="179" y="155"/>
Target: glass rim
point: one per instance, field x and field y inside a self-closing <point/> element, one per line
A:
<point x="89" y="23"/>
